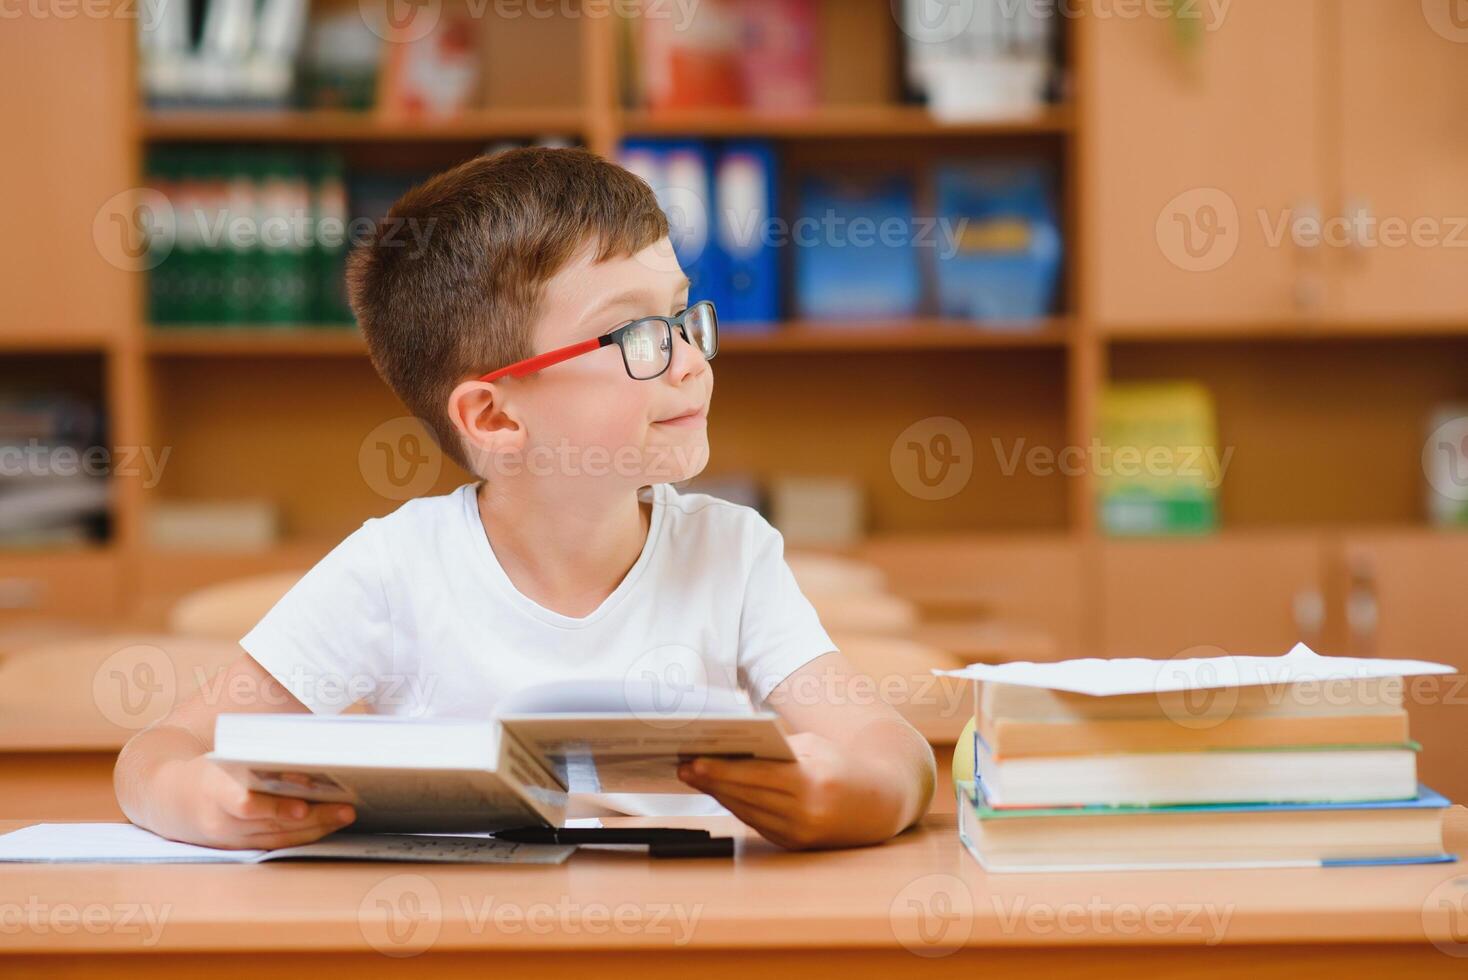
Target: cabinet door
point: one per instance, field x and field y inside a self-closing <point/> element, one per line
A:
<point x="1403" y="593"/>
<point x="1193" y="160"/>
<point x="1403" y="159"/>
<point x="65" y="108"/>
<point x="1245" y="592"/>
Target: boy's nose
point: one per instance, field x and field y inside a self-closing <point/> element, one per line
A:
<point x="687" y="360"/>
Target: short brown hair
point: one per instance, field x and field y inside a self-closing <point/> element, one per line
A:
<point x="451" y="280"/>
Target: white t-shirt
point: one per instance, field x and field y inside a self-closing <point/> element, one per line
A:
<point x="413" y="614"/>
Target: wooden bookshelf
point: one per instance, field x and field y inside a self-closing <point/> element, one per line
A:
<point x="345" y="127"/>
<point x="845" y="122"/>
<point x="936" y="334"/>
<point x="1322" y="365"/>
<point x="285" y="341"/>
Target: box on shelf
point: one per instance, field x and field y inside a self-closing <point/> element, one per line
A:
<point x="222" y="525"/>
<point x="1006" y="263"/>
<point x="846" y="265"/>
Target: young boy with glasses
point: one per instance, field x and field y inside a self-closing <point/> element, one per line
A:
<point x="572" y="555"/>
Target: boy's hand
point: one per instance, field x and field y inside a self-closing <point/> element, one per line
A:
<point x="216" y="811"/>
<point x="825" y="798"/>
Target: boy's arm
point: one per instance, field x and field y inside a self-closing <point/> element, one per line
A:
<point x="862" y="773"/>
<point x="164" y="783"/>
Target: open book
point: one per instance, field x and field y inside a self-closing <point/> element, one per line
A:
<point x="514" y="769"/>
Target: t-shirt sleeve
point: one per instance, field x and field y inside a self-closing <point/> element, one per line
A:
<point x="779" y="631"/>
<point x="329" y="639"/>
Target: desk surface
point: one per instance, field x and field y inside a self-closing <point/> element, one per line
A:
<point x="920" y="891"/>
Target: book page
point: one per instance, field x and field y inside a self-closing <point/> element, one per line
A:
<point x="1137" y="676"/>
<point x="630" y="754"/>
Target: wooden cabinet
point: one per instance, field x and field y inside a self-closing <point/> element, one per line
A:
<point x="68" y="158"/>
<point x="1181" y="154"/>
<point x="1303" y="165"/>
<point x="1400" y="158"/>
<point x="1243" y="592"/>
<point x="1402" y="595"/>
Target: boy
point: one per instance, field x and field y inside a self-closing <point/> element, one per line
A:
<point x="499" y="328"/>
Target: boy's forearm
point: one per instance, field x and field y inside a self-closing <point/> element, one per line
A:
<point x="903" y="765"/>
<point x="146" y="757"/>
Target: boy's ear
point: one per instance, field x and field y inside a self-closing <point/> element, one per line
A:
<point x="485" y="421"/>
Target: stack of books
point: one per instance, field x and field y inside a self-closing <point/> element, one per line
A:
<point x="1293" y="761"/>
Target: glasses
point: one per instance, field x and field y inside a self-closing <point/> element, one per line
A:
<point x="646" y="344"/>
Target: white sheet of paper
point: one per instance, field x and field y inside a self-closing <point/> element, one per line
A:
<point x="1138" y="676"/>
<point x="108" y="843"/>
<point x="124" y="843"/>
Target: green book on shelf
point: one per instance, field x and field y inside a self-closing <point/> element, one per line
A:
<point x="1158" y="468"/>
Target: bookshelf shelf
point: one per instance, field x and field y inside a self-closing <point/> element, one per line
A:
<point x="1284" y="331"/>
<point x="282" y="341"/>
<point x="796" y="336"/>
<point x="54" y="342"/>
<point x="870" y="121"/>
<point x="334" y="126"/>
<point x="905" y="335"/>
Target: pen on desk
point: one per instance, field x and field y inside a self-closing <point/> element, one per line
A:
<point x="600" y="835"/>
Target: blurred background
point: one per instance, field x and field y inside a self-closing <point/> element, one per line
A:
<point x="1050" y="329"/>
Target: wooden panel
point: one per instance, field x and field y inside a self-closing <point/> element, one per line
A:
<point x="1415" y="580"/>
<point x="291" y="431"/>
<point x="1402" y="147"/>
<point x="58" y="786"/>
<point x="840" y="415"/>
<point x="1033" y="583"/>
<point x="1235" y="591"/>
<point x="66" y="112"/>
<point x="1178" y="144"/>
<point x="858" y="51"/>
<point x="1114" y="962"/>
<point x="530" y="53"/>
<point x="81" y="584"/>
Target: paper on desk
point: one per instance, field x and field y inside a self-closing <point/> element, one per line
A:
<point x="1138" y="676"/>
<point x="124" y="843"/>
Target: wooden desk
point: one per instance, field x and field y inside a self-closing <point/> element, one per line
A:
<point x="918" y="902"/>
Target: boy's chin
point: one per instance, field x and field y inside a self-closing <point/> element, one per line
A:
<point x="676" y="460"/>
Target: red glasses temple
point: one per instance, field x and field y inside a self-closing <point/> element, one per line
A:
<point x="540" y="362"/>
